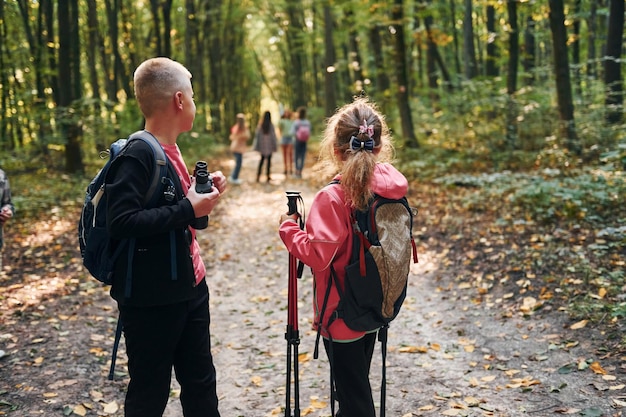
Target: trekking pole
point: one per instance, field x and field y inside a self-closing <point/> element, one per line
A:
<point x="292" y="334"/>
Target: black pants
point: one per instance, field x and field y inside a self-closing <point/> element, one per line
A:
<point x="351" y="367"/>
<point x="159" y="338"/>
<point x="267" y="158"/>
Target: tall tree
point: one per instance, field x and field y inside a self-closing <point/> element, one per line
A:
<point x="92" y="47"/>
<point x="511" y="84"/>
<point x="455" y="37"/>
<point x="575" y="45"/>
<point x="402" y="79"/>
<point x="381" y="83"/>
<point x="491" y="68"/>
<point x="529" y="56"/>
<point x="69" y="77"/>
<point x="295" y="34"/>
<point x="592" y="25"/>
<point x="612" y="72"/>
<point x="330" y="85"/>
<point x="469" y="53"/>
<point x="4" y="96"/>
<point x="561" y="71"/>
<point x="354" y="57"/>
<point x="511" y="79"/>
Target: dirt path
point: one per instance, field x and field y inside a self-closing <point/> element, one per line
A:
<point x="450" y="353"/>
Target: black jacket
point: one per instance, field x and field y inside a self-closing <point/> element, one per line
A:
<point x="152" y="260"/>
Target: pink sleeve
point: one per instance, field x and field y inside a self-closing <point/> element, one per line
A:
<point x="327" y="227"/>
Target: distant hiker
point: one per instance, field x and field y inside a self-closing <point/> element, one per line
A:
<point x="265" y="144"/>
<point x="165" y="317"/>
<point x="302" y="132"/>
<point x="239" y="136"/>
<point x="285" y="125"/>
<point x="356" y="143"/>
<point x="7" y="210"/>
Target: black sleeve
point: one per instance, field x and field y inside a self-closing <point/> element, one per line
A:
<point x="127" y="184"/>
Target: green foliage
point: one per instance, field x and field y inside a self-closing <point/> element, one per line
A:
<point x="594" y="197"/>
<point x="36" y="193"/>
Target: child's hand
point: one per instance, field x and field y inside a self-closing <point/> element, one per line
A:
<point x="5" y="214"/>
<point x="202" y="203"/>
<point x="287" y="217"/>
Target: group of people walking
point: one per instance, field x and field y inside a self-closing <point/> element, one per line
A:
<point x="293" y="143"/>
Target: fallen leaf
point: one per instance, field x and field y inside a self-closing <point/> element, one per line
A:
<point x="256" y="380"/>
<point x="597" y="368"/>
<point x="579" y="325"/>
<point x="79" y="410"/>
<point x="567" y="410"/>
<point x="413" y="349"/>
<point x="111" y="408"/>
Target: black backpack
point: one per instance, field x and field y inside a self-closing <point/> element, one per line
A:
<point x="377" y="275"/>
<point x="93" y="238"/>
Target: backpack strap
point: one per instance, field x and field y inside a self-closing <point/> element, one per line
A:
<point x="160" y="169"/>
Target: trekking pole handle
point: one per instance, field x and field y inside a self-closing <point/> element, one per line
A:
<point x="292" y="201"/>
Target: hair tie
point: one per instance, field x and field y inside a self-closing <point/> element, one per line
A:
<point x="357" y="144"/>
<point x="368" y="130"/>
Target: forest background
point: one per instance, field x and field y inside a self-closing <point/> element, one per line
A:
<point x="509" y="113"/>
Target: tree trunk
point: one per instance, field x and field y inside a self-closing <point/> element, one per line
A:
<point x="592" y="25"/>
<point x="156" y="20"/>
<point x="354" y="58"/>
<point x="612" y="72"/>
<point x="431" y="59"/>
<point x="166" y="7"/>
<point x="5" y="143"/>
<point x="455" y="37"/>
<point x="402" y="94"/>
<point x="469" y="53"/>
<point x="511" y="79"/>
<point x="213" y="46"/>
<point x="511" y="84"/>
<point x="330" y="86"/>
<point x="295" y="38"/>
<point x="561" y="71"/>
<point x="575" y="45"/>
<point x="491" y="69"/>
<point x="194" y="56"/>
<point x="68" y="64"/>
<point x="382" y="81"/>
<point x="92" y="47"/>
<point x="110" y="68"/>
<point x="529" y="56"/>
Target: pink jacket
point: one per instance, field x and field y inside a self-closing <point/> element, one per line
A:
<point x="327" y="238"/>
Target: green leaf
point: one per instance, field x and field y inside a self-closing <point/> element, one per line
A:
<point x="592" y="412"/>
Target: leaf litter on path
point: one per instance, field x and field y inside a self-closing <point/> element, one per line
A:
<point x="458" y="347"/>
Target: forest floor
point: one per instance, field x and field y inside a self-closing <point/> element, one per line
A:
<point x="468" y="341"/>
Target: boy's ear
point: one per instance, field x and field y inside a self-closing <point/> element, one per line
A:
<point x="178" y="100"/>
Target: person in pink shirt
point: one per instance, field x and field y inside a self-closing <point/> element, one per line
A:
<point x="356" y="146"/>
<point x="159" y="283"/>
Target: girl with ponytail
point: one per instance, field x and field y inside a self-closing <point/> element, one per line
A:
<point x="357" y="146"/>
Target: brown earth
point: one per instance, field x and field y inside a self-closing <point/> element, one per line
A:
<point x="458" y="347"/>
